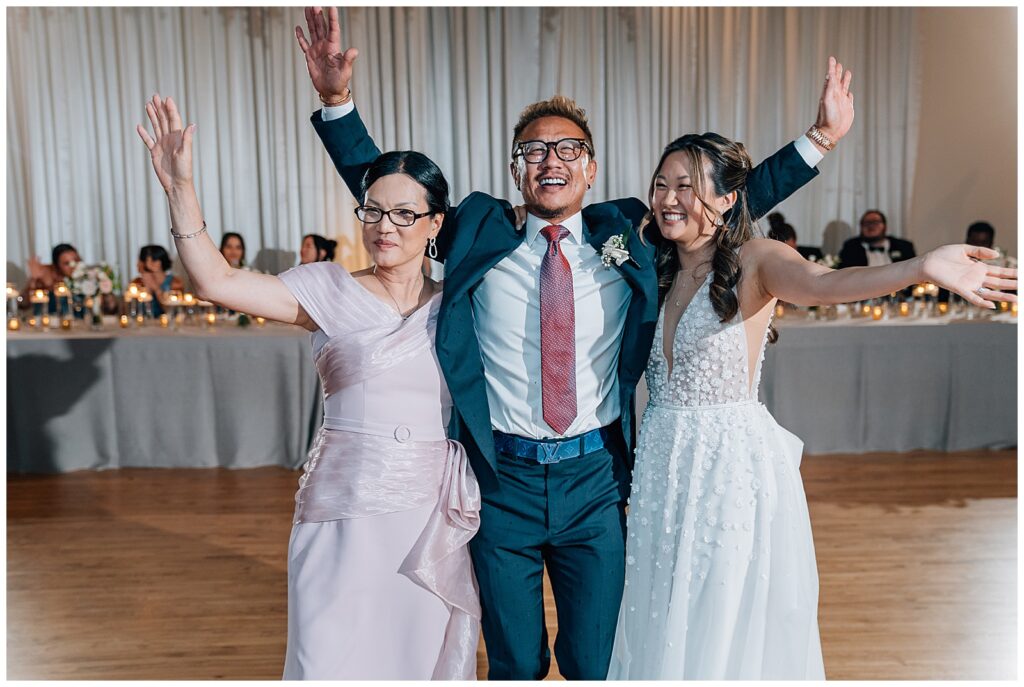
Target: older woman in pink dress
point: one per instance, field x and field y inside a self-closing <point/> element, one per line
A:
<point x="380" y="583"/>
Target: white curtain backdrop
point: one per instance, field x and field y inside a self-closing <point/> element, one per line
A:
<point x="447" y="81"/>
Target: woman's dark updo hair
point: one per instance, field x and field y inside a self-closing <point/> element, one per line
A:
<point x="417" y="167"/>
<point x="59" y="250"/>
<point x="323" y="244"/>
<point x="779" y="229"/>
<point x="730" y="165"/>
<point x="224" y="242"/>
<point x="158" y="253"/>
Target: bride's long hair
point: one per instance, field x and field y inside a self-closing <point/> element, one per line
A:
<point x="730" y="163"/>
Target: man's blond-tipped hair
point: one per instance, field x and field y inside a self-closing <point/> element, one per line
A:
<point x="556" y="106"/>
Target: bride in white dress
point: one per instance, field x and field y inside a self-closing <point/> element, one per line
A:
<point x="721" y="581"/>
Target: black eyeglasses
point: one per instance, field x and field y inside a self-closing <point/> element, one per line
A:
<point x="567" y="150"/>
<point x="399" y="217"/>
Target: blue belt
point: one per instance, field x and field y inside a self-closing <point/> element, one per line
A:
<point x="547" y="451"/>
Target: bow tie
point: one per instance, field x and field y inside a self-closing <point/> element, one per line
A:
<point x="876" y="249"/>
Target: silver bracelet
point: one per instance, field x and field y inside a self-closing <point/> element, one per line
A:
<point x="189" y="236"/>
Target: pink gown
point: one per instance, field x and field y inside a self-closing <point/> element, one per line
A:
<point x="380" y="582"/>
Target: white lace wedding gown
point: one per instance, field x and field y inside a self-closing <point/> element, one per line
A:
<point x="721" y="581"/>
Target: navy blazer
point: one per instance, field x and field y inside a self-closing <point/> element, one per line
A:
<point x="480" y="231"/>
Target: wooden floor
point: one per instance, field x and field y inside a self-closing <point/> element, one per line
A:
<point x="180" y="574"/>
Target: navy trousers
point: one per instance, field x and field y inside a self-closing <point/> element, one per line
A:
<point x="571" y="517"/>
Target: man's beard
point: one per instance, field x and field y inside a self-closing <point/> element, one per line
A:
<point x="547" y="213"/>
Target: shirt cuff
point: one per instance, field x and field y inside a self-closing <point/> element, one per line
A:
<point x="328" y="113"/>
<point x="811" y="155"/>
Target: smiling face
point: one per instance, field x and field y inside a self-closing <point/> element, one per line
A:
<point x="677" y="209"/>
<point x="553" y="189"/>
<point x="390" y="245"/>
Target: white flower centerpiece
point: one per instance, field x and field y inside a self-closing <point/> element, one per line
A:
<point x="93" y="281"/>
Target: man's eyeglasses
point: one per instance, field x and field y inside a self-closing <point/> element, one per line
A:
<point x="567" y="150"/>
<point x="399" y="217"/>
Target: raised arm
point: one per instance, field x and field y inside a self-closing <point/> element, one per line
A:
<point x="330" y="71"/>
<point x="783" y="273"/>
<point x="170" y="148"/>
<point x="782" y="174"/>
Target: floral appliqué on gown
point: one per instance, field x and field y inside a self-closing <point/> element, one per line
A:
<point x="721" y="581"/>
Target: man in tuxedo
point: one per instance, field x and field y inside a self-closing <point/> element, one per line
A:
<point x="873" y="246"/>
<point x="541" y="346"/>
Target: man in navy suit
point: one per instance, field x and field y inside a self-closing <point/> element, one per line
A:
<point x="542" y="345"/>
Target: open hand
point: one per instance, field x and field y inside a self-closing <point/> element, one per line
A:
<point x="957" y="269"/>
<point x="835" y="109"/>
<point x="329" y="68"/>
<point x="170" y="146"/>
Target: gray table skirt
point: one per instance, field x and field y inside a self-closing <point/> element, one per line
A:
<point x="249" y="399"/>
<point x="879" y="387"/>
<point x="198" y="399"/>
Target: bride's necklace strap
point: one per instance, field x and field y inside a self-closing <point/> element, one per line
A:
<point x="398" y="307"/>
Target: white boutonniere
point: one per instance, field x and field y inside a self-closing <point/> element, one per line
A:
<point x="614" y="250"/>
<point x="896" y="254"/>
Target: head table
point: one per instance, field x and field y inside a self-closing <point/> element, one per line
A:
<point x="152" y="397"/>
<point x="233" y="397"/>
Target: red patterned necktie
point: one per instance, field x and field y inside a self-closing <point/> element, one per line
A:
<point x="557" y="334"/>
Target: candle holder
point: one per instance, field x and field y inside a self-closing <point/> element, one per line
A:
<point x="65" y="323"/>
<point x="189" y="302"/>
<point x="40" y="300"/>
<point x="877" y="312"/>
<point x="165" y="321"/>
<point x="260" y="321"/>
<point x="12" y="299"/>
<point x="943" y="308"/>
<point x="13" y="323"/>
<point x="123" y="321"/>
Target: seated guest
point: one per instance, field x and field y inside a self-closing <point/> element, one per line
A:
<point x="155" y="276"/>
<point x="980" y="234"/>
<point x="41" y="276"/>
<point x="64" y="257"/>
<point x="873" y="247"/>
<point x="780" y="230"/>
<point x="316" y="248"/>
<point x="232" y="247"/>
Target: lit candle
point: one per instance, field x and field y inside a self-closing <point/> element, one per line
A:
<point x="211" y="318"/>
<point x="943" y="308"/>
<point x="14" y="324"/>
<point x="189" y="299"/>
<point x="65" y="323"/>
<point x="1003" y="306"/>
<point x="32" y="322"/>
<point x="1013" y="309"/>
<point x="140" y="320"/>
<point x="124" y="321"/>
<point x="45" y="321"/>
<point x="904" y="309"/>
<point x="877" y="312"/>
<point x="39" y="296"/>
<point x="780" y="310"/>
<point x="865" y="310"/>
<point x="260" y="321"/>
<point x="164" y="321"/>
<point x="133" y="291"/>
<point x="12" y="299"/>
<point x="11" y="291"/>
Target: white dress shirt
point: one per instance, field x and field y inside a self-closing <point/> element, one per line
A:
<point x="506" y="309"/>
<point x="877" y="258"/>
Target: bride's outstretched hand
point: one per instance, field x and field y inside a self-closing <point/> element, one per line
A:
<point x="170" y="146"/>
<point x="957" y="268"/>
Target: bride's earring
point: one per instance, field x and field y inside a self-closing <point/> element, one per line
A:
<point x="432" y="248"/>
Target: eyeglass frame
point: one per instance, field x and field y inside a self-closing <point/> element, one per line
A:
<point x="517" y="151"/>
<point x="416" y="216"/>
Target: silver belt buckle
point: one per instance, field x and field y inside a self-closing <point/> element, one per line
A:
<point x="547" y="454"/>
